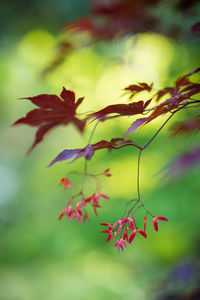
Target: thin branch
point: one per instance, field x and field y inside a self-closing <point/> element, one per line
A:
<point x="157" y="132"/>
<point x="85" y="163"/>
<point x="138" y="175"/>
<point x="93" y="131"/>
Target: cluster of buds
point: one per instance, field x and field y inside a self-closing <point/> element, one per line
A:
<point x="77" y="212"/>
<point x="72" y="213"/>
<point x="127" y="230"/>
<point x="124" y="230"/>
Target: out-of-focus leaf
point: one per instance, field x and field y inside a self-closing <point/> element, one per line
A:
<point x="184" y="161"/>
<point x="135" y="89"/>
<point x="195" y="29"/>
<point x="187" y="126"/>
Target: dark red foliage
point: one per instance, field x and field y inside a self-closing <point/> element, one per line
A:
<point x="89" y="150"/>
<point x="108" y="20"/>
<point x="51" y="112"/>
<point x="115" y="18"/>
<point x="187" y="126"/>
<point x="182" y="85"/>
<point x="135" y="89"/>
<point x="164" y="92"/>
<point x="183" y="90"/>
<point x="97" y="32"/>
<point x="133" y="108"/>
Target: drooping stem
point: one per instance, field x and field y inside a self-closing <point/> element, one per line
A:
<point x="139" y="157"/>
<point x="138" y="175"/>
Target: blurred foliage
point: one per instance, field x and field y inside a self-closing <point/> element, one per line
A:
<point x="40" y="257"/>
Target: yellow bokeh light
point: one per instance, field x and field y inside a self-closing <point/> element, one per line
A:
<point x="36" y="46"/>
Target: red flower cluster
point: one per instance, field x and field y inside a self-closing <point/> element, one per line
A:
<point x="75" y="213"/>
<point x="127" y="230"/>
<point x="78" y="213"/>
<point x="64" y="181"/>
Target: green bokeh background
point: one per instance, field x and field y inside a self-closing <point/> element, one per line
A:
<point x="41" y="258"/>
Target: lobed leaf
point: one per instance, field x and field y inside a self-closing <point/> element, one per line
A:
<point x="51" y="112"/>
<point x="89" y="150"/>
<point x="133" y="108"/>
<point x="135" y="89"/>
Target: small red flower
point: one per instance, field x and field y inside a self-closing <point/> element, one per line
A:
<point x="67" y="211"/>
<point x="125" y="237"/>
<point x="77" y="215"/>
<point x="109" y="237"/>
<point x="132" y="236"/>
<point x="64" y="181"/>
<point x="78" y="204"/>
<point x="120" y="244"/>
<point x="109" y="230"/>
<point x="64" y="212"/>
<point x="155" y="223"/>
<point x="121" y="222"/>
<point x="131" y="223"/>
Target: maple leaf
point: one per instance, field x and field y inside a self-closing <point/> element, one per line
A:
<point x="165" y="91"/>
<point x="183" y="81"/>
<point x="51" y="112"/>
<point x="135" y="125"/>
<point x="133" y="108"/>
<point x="89" y="150"/>
<point x="135" y="89"/>
<point x="187" y="126"/>
<point x="182" y="91"/>
<point x="158" y="111"/>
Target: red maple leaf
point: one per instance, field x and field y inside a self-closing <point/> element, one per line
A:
<point x="133" y="108"/>
<point x="51" y="112"/>
<point x="89" y="150"/>
<point x="137" y="88"/>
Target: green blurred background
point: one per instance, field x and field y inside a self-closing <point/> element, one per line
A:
<point x="41" y="258"/>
